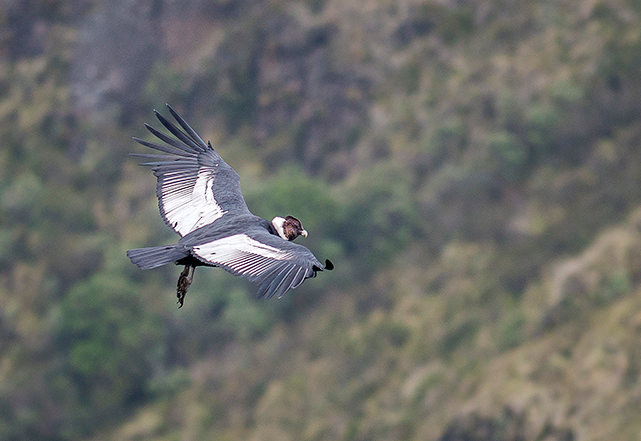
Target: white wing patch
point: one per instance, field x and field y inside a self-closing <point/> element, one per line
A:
<point x="242" y="254"/>
<point x="188" y="210"/>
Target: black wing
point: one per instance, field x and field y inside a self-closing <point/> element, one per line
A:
<point x="272" y="263"/>
<point x="195" y="185"/>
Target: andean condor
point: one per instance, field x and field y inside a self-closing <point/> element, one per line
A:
<point x="200" y="199"/>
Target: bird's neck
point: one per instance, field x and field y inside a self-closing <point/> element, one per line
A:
<point x="277" y="224"/>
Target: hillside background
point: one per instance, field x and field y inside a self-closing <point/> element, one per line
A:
<point x="473" y="169"/>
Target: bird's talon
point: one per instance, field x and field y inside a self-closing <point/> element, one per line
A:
<point x="184" y="281"/>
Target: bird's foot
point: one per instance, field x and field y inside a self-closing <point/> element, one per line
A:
<point x="184" y="281"/>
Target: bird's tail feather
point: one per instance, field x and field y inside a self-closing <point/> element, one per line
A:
<point x="153" y="257"/>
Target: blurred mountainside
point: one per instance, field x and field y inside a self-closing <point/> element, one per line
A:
<point x="472" y="168"/>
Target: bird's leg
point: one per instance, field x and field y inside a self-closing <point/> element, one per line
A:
<point x="184" y="281"/>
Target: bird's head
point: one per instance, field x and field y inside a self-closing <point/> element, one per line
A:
<point x="288" y="228"/>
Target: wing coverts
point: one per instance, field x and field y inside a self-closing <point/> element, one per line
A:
<point x="195" y="185"/>
<point x="275" y="270"/>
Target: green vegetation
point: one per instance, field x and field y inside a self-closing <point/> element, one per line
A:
<point x="472" y="169"/>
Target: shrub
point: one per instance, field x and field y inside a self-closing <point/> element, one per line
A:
<point x="109" y="345"/>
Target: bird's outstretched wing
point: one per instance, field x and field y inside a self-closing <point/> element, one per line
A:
<point x="272" y="263"/>
<point x="195" y="185"/>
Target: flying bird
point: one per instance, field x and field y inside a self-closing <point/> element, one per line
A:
<point x="199" y="197"/>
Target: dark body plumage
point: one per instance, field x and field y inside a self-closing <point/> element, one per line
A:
<point x="199" y="197"/>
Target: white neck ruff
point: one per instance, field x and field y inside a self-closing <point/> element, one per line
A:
<point x="278" y="222"/>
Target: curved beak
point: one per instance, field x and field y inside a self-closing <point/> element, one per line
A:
<point x="303" y="233"/>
